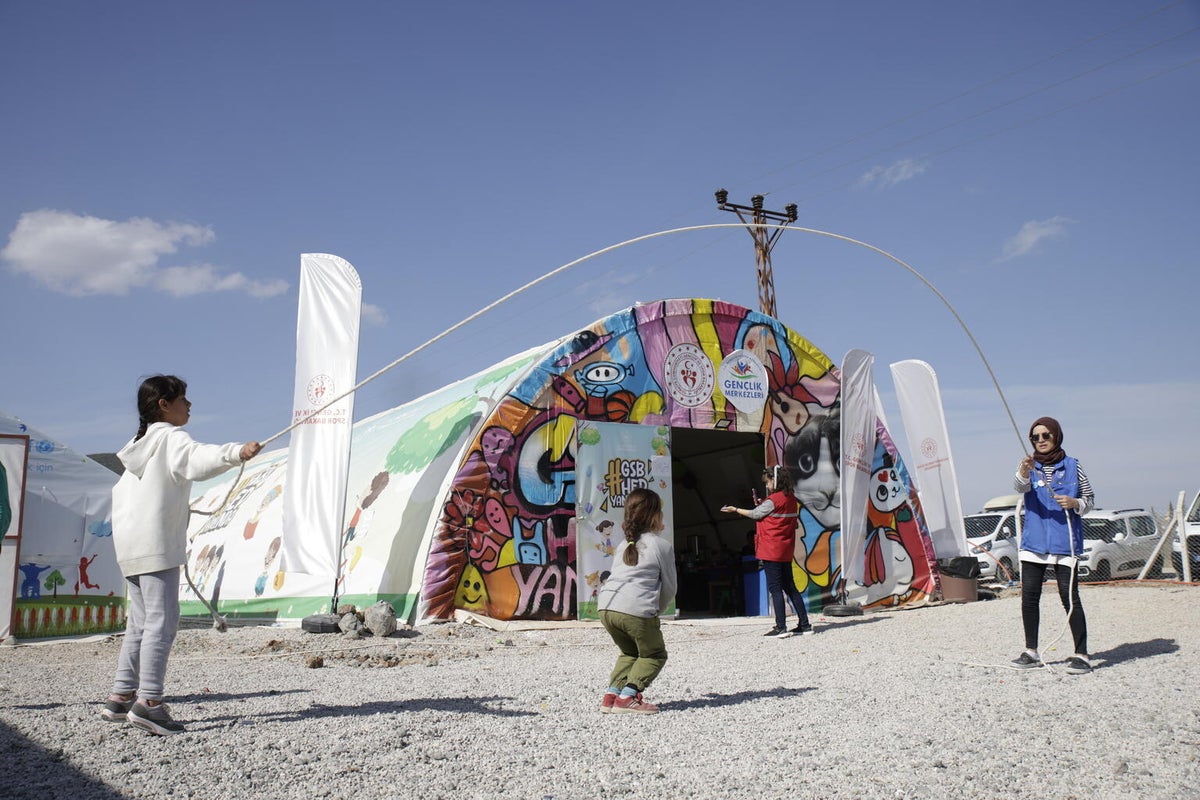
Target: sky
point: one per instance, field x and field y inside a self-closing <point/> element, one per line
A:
<point x="164" y="165"/>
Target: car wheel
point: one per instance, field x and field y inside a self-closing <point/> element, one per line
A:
<point x="1006" y="571"/>
<point x="1155" y="570"/>
<point x="1102" y="572"/>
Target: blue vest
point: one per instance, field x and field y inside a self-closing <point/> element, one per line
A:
<point x="1045" y="526"/>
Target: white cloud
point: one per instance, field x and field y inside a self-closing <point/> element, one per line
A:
<point x="1032" y="234"/>
<point x="201" y="278"/>
<point x="885" y="177"/>
<point x="81" y="255"/>
<point x="373" y="314"/>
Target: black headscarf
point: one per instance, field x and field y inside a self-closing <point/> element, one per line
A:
<point x="1057" y="454"/>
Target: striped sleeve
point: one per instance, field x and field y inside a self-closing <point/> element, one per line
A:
<point x="1087" y="498"/>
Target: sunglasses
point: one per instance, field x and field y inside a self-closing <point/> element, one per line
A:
<point x="1041" y="437"/>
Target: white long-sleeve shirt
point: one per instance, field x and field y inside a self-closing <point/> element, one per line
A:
<point x="150" y="501"/>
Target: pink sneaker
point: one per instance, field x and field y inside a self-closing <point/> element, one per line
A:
<point x="633" y="705"/>
<point x="606" y="702"/>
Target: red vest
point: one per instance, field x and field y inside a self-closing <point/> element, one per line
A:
<point x="775" y="538"/>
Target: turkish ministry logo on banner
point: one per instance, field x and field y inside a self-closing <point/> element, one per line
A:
<point x="743" y="381"/>
<point x="320" y="390"/>
<point x="689" y="375"/>
<point x="856" y="454"/>
<point x="929" y="448"/>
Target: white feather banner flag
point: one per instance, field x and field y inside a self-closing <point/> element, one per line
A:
<point x="933" y="465"/>
<point x="858" y="451"/>
<point x="314" y="496"/>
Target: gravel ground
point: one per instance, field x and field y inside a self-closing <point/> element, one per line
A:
<point x="912" y="704"/>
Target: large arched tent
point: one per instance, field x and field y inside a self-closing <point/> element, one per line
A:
<point x="501" y="494"/>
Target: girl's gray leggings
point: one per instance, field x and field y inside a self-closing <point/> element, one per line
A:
<point x="149" y="633"/>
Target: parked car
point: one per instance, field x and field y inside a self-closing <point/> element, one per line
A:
<point x="992" y="537"/>
<point x="1191" y="532"/>
<point x="1116" y="544"/>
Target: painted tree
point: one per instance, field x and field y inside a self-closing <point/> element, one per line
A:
<point x="53" y="581"/>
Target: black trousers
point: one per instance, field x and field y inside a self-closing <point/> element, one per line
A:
<point x="1033" y="575"/>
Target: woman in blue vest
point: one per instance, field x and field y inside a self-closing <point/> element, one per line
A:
<point x="1057" y="495"/>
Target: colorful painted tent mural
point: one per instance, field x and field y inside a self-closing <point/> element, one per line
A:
<point x="66" y="578"/>
<point x="499" y="494"/>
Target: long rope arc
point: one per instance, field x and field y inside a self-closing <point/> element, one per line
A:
<point x="647" y="237"/>
<point x="962" y="323"/>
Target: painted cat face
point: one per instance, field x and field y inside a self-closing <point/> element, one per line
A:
<point x="887" y="491"/>
<point x="813" y="458"/>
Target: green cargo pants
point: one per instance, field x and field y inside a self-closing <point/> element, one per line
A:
<point x="643" y="651"/>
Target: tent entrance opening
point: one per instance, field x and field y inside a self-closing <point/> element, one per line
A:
<point x="709" y="469"/>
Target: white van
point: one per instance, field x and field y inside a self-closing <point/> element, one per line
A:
<point x="1116" y="544"/>
<point x="992" y="539"/>
<point x="1191" y="532"/>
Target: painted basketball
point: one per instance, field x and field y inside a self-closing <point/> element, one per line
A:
<point x="619" y="405"/>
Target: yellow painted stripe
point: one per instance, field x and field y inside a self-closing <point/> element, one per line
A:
<point x="710" y="343"/>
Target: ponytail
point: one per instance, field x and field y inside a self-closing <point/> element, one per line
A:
<point x="642" y="508"/>
<point x="631" y="552"/>
<point x="153" y="389"/>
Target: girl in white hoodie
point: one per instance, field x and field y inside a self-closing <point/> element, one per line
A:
<point x="150" y="520"/>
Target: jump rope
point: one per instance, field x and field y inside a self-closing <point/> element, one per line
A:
<point x="220" y="623"/>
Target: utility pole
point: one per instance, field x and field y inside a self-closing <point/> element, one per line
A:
<point x="764" y="240"/>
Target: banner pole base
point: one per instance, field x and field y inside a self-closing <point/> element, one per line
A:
<point x="843" y="610"/>
<point x="843" y="607"/>
<point x="320" y="623"/>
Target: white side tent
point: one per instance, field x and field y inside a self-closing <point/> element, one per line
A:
<point x="61" y="571"/>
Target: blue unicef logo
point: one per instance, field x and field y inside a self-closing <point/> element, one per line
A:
<point x="43" y="446"/>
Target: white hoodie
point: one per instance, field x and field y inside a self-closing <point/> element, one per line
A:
<point x="150" y="501"/>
